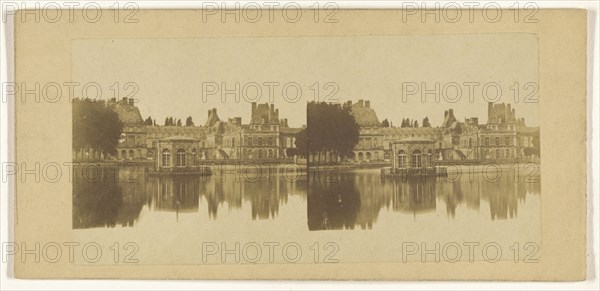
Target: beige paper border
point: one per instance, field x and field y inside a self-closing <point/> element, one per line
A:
<point x="43" y="134"/>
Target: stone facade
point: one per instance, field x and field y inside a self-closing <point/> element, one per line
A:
<point x="266" y="137"/>
<point x="503" y="138"/>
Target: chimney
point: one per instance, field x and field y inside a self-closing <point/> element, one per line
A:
<point x="361" y="103"/>
<point x="124" y="100"/>
<point x="272" y="107"/>
<point x="131" y="101"/>
<point x="367" y="103"/>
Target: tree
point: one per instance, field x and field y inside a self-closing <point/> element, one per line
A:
<point x="331" y="128"/>
<point x="96" y="126"/>
<point x="426" y="122"/>
<point x="385" y="123"/>
<point x="301" y="143"/>
<point x="416" y="124"/>
<point x="189" y="122"/>
<point x="405" y="123"/>
<point x="178" y="122"/>
<point x="148" y="121"/>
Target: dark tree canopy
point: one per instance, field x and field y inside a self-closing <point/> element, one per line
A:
<point x="385" y="123"/>
<point x="426" y="122"/>
<point x="188" y="121"/>
<point x="96" y="126"/>
<point x="148" y="121"/>
<point x="331" y="127"/>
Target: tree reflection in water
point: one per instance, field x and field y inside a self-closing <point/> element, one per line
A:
<point x="117" y="197"/>
<point x="358" y="198"/>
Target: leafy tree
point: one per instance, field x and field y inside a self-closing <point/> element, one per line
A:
<point x="148" y="121"/>
<point x="189" y="122"/>
<point x="405" y="123"/>
<point x="178" y="122"/>
<point x="385" y="123"/>
<point x="96" y="126"/>
<point x="301" y="144"/>
<point x="331" y="127"/>
<point x="426" y="122"/>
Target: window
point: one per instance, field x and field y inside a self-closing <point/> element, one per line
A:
<point x="260" y="153"/>
<point x="507" y="140"/>
<point x="430" y="157"/>
<point x="507" y="153"/>
<point x="497" y="141"/>
<point x="487" y="141"/>
<point x="360" y="156"/>
<point x="131" y="154"/>
<point x="386" y="156"/>
<point x="416" y="159"/>
<point x="401" y="159"/>
<point x="180" y="158"/>
<point x="270" y="153"/>
<point x="123" y="154"/>
<point x="166" y="158"/>
<point x="249" y="141"/>
<point x="497" y="153"/>
<point x="260" y="141"/>
<point x="368" y="156"/>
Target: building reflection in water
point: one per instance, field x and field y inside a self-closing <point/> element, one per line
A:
<point x="358" y="198"/>
<point x="107" y="197"/>
<point x="119" y="197"/>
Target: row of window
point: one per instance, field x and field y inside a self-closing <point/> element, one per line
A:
<point x="497" y="141"/>
<point x="417" y="158"/>
<point x="258" y="141"/>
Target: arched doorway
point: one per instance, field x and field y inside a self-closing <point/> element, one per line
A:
<point x="360" y="157"/>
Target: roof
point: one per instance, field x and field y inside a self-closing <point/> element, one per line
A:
<point x="128" y="114"/>
<point x="364" y="116"/>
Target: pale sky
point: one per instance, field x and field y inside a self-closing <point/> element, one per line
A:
<point x="172" y="73"/>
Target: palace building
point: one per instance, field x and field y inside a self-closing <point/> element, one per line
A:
<point x="266" y="137"/>
<point x="504" y="137"/>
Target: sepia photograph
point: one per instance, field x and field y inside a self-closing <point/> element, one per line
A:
<point x="301" y="142"/>
<point x="207" y="141"/>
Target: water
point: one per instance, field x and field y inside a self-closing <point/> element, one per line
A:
<point x="357" y="209"/>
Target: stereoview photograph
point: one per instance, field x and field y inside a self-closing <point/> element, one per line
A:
<point x="369" y="159"/>
<point x="342" y="154"/>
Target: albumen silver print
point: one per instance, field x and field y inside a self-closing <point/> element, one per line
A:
<point x="377" y="146"/>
